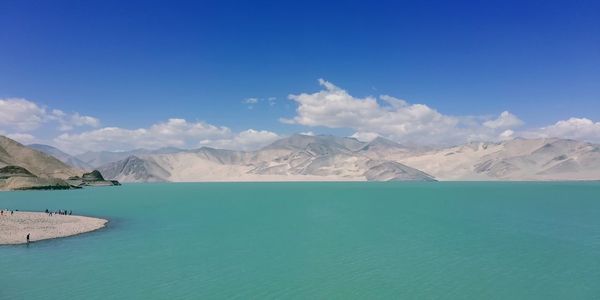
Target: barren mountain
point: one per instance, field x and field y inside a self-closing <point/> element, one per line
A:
<point x="302" y="157"/>
<point x="519" y="159"/>
<point x="62" y="156"/>
<point x="25" y="168"/>
<point x="134" y="169"/>
<point x="100" y="158"/>
<point x="296" y="158"/>
<point x="40" y="164"/>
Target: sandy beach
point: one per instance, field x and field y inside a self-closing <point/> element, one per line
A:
<point x="41" y="226"/>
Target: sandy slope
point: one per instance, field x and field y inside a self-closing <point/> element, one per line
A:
<point x="297" y="158"/>
<point x="40" y="164"/>
<point x="14" y="228"/>
<point x="535" y="159"/>
<point x="307" y="158"/>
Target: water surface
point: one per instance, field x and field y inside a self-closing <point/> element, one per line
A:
<point x="315" y="241"/>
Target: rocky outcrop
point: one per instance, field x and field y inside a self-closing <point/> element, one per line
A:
<point x="19" y="178"/>
<point x="14" y="171"/>
<point x="34" y="183"/>
<point x="93" y="178"/>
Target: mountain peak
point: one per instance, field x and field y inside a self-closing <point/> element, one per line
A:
<point x="379" y="140"/>
<point x="301" y="141"/>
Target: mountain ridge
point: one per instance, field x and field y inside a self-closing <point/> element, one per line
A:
<point x="62" y="156"/>
<point x="326" y="157"/>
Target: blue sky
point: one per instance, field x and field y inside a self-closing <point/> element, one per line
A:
<point x="133" y="64"/>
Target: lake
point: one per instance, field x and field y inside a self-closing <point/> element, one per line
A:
<point x="368" y="240"/>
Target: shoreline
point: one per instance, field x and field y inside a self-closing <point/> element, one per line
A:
<point x="41" y="226"/>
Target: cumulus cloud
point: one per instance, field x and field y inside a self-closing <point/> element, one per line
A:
<point x="507" y="135"/>
<point x="246" y="140"/>
<point x="23" y="138"/>
<point x="310" y="133"/>
<point x="392" y="118"/>
<point x="252" y="101"/>
<point x="24" y="115"/>
<point x="172" y="133"/>
<point x="365" y="136"/>
<point x="20" y="114"/>
<point x="573" y="128"/>
<point x="68" y="122"/>
<point x="505" y="120"/>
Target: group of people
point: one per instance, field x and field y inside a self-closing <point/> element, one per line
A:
<point x="59" y="212"/>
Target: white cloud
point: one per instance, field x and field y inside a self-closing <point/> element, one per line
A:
<point x="394" y="118"/>
<point x="250" y="101"/>
<point x="20" y="114"/>
<point x="172" y="133"/>
<point x="24" y="115"/>
<point x="68" y="122"/>
<point x="393" y="101"/>
<point x="78" y="120"/>
<point x="253" y="101"/>
<point x="310" y="133"/>
<point x="507" y="135"/>
<point x="505" y="120"/>
<point x="23" y="138"/>
<point x="573" y="128"/>
<point x="246" y="140"/>
<point x="365" y="136"/>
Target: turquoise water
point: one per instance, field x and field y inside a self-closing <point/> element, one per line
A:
<point x="315" y="241"/>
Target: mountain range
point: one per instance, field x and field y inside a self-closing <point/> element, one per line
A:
<point x="330" y="158"/>
<point x="62" y="156"/>
<point x="23" y="167"/>
<point x="303" y="157"/>
<point x="296" y="158"/>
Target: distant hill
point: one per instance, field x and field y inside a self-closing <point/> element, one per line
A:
<point x="519" y="159"/>
<point x="296" y="158"/>
<point x="36" y="162"/>
<point x="134" y="169"/>
<point x="303" y="157"/>
<point x="62" y="156"/>
<point x="311" y="158"/>
<point x="25" y="168"/>
<point x="99" y="158"/>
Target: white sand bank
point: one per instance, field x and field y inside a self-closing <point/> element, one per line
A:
<point x="14" y="228"/>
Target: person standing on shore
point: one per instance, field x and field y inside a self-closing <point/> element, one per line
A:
<point x="28" y="238"/>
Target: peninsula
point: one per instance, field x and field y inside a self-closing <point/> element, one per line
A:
<point x="16" y="225"/>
